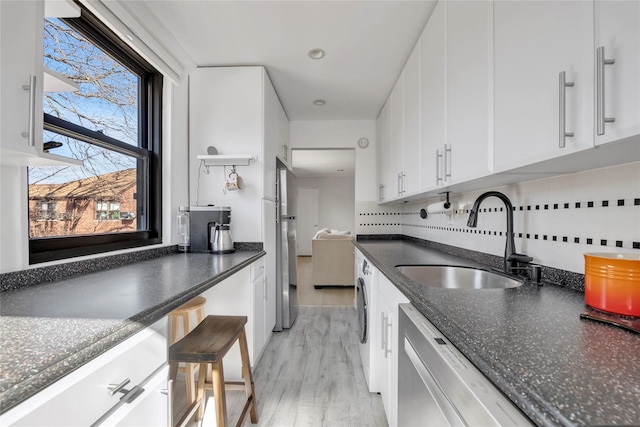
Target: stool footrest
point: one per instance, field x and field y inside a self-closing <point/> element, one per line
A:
<point x="250" y="401"/>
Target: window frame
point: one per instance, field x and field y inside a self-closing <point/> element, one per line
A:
<point x="148" y="153"/>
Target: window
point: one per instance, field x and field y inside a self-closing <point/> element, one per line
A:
<point x="112" y="123"/>
<point x="107" y="210"/>
<point x="47" y="211"/>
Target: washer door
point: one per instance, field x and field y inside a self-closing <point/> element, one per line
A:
<point x="361" y="304"/>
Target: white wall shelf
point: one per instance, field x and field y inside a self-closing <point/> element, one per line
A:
<point x="225" y="160"/>
<point x="31" y="157"/>
<point x="56" y="82"/>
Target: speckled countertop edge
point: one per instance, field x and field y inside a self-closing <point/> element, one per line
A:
<point x="535" y="406"/>
<point x="117" y="333"/>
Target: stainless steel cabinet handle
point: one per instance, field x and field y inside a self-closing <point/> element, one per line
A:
<point x="118" y="388"/>
<point x="563" y="85"/>
<point x="31" y="133"/>
<point x="601" y="118"/>
<point x="447" y="162"/>
<point x="438" y="161"/>
<point x="403" y="182"/>
<point x="381" y="192"/>
<point x="399" y="179"/>
<point x="387" y="349"/>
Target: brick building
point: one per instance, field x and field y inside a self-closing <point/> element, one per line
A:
<point x="100" y="204"/>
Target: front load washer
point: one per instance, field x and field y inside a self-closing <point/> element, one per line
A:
<point x="366" y="300"/>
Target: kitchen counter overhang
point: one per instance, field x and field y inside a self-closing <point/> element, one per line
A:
<point x="529" y="341"/>
<point x="49" y="330"/>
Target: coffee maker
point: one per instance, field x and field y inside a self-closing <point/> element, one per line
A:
<point x="211" y="229"/>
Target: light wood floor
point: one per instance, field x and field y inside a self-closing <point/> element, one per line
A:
<point x="311" y="374"/>
<point x="334" y="296"/>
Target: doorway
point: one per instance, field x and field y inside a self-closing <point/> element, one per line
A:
<point x="307" y="219"/>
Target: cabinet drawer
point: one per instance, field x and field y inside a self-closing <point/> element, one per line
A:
<point x="82" y="397"/>
<point x="150" y="409"/>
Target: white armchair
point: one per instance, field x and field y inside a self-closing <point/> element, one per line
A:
<point x="333" y="259"/>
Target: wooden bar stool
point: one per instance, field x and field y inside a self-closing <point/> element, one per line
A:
<point x="207" y="344"/>
<point x="185" y="313"/>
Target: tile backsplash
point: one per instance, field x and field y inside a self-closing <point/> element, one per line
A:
<point x="556" y="220"/>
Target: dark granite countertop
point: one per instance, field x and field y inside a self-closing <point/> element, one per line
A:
<point x="51" y="329"/>
<point x="529" y="341"/>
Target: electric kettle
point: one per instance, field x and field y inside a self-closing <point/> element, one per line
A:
<point x="221" y="242"/>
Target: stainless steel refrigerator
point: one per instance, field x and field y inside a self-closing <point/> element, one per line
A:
<point x="286" y="269"/>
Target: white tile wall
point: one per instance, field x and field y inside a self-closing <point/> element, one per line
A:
<point x="612" y="223"/>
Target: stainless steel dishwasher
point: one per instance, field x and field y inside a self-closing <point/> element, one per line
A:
<point x="438" y="386"/>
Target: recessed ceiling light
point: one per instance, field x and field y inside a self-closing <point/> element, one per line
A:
<point x="320" y="102"/>
<point x="316" y="53"/>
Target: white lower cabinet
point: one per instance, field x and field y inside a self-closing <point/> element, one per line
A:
<point x="243" y="294"/>
<point x="83" y="397"/>
<point x="389" y="299"/>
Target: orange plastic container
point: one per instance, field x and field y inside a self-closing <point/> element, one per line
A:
<point x="612" y="283"/>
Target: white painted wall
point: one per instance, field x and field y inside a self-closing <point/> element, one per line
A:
<point x="14" y="248"/>
<point x="225" y="111"/>
<point x="175" y="157"/>
<point x="335" y="201"/>
<point x="342" y="134"/>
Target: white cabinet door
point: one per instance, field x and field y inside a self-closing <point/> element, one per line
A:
<point x="397" y="133"/>
<point x="469" y="90"/>
<point x="21" y="38"/>
<point x="617" y="32"/>
<point x="411" y="138"/>
<point x="258" y="282"/>
<point x="534" y="41"/>
<point x="433" y="87"/>
<point x="232" y="297"/>
<point x="283" y="146"/>
<point x="386" y="176"/>
<point x="269" y="239"/>
<point x="389" y="299"/>
<point x="272" y="142"/>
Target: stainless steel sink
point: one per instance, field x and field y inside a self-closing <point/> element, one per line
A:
<point x="440" y="276"/>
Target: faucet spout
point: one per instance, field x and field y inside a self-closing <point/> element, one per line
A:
<point x="509" y="249"/>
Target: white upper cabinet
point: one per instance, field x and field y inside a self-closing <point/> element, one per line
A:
<point x="21" y="38"/>
<point x="386" y="183"/>
<point x="617" y="36"/>
<point x="24" y="79"/>
<point x="536" y="43"/>
<point x="283" y="147"/>
<point x="433" y="92"/>
<point x="272" y="141"/>
<point x="469" y="90"/>
<point x="397" y="133"/>
<point x="410" y="181"/>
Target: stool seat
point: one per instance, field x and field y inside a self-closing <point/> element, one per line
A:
<point x="209" y="341"/>
<point x="207" y="344"/>
<point x="192" y="304"/>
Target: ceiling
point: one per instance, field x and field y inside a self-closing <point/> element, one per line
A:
<point x="316" y="163"/>
<point x="367" y="44"/>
